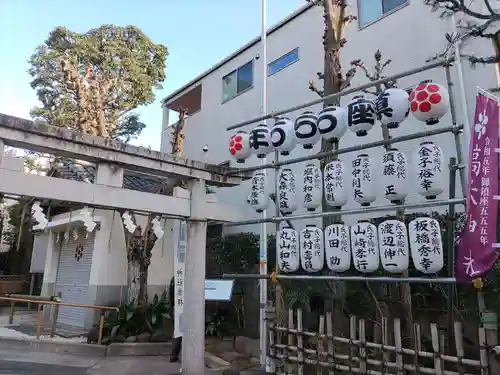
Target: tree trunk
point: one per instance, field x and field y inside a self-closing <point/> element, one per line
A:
<point x="133" y="282"/>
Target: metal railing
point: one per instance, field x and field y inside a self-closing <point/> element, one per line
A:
<point x="55" y="301"/>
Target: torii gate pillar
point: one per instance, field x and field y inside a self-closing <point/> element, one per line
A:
<point x="193" y="341"/>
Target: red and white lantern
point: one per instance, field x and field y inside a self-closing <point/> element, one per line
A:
<point x="429" y="102"/>
<point x="239" y="146"/>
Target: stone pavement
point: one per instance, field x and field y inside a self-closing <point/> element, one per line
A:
<point x="18" y="362"/>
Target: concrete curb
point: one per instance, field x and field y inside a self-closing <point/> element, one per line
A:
<point x="119" y="349"/>
<point x="71" y="348"/>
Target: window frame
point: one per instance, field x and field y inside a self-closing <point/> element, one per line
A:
<point x="237" y="70"/>
<point x="382" y="14"/>
<point x="295" y="50"/>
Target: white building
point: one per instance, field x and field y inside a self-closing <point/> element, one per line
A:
<point x="405" y="31"/>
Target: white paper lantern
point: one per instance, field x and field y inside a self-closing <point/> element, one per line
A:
<point x="426" y="245"/>
<point x="312" y="251"/>
<point x="313" y="187"/>
<point x="429" y="102"/>
<point x="394" y="176"/>
<point x="430" y="169"/>
<point x="393" y="245"/>
<point x="361" y="115"/>
<point x="335" y="184"/>
<point x="287" y="190"/>
<point x="260" y="141"/>
<point x="338" y="247"/>
<point x="283" y="136"/>
<point x="288" y="250"/>
<point x="393" y="107"/>
<point x="258" y="196"/>
<point x="306" y="130"/>
<point x="239" y="146"/>
<point x="362" y="180"/>
<point x="364" y="247"/>
<point x="332" y="122"/>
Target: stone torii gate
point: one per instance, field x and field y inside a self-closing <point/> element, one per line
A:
<point x="111" y="159"/>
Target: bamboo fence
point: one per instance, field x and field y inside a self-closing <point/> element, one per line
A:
<point x="298" y="351"/>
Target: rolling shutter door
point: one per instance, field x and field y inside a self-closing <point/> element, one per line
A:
<point x="73" y="276"/>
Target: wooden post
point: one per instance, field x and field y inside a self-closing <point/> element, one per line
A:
<point x="101" y="327"/>
<point x="193" y="335"/>
<point x="300" y="344"/>
<point x="11" y="315"/>
<point x="39" y="321"/>
<point x="32" y="288"/>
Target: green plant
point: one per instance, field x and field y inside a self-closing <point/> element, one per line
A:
<point x="216" y="324"/>
<point x="132" y="320"/>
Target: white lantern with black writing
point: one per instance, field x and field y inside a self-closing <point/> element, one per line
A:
<point x="395" y="176"/>
<point x="312" y="188"/>
<point x="306" y="130"/>
<point x="260" y="141"/>
<point x="430" y="169"/>
<point x="287" y="190"/>
<point x="361" y="115"/>
<point x="393" y="245"/>
<point x="338" y="247"/>
<point x="335" y="184"/>
<point x="364" y="247"/>
<point x="239" y="146"/>
<point x="258" y="196"/>
<point x="332" y="122"/>
<point x="393" y="107"/>
<point x="283" y="136"/>
<point x="288" y="250"/>
<point x="429" y="102"/>
<point x="312" y="251"/>
<point x="363" y="184"/>
<point x="426" y="245"/>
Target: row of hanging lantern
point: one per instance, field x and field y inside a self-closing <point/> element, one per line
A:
<point x="427" y="162"/>
<point x="364" y="245"/>
<point x="428" y="102"/>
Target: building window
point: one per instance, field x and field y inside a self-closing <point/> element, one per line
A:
<point x="282" y="62"/>
<point x="237" y="81"/>
<point x="371" y="10"/>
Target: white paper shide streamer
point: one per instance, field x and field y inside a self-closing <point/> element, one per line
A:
<point x="258" y="198"/>
<point x="364" y="246"/>
<point x="362" y="180"/>
<point x="394" y="249"/>
<point x="312" y="252"/>
<point x="337" y="247"/>
<point x="287" y="189"/>
<point x="313" y="187"/>
<point x="394" y="176"/>
<point x="288" y="250"/>
<point x="426" y="245"/>
<point x="335" y="184"/>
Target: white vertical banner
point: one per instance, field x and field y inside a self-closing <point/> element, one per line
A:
<point x="179" y="270"/>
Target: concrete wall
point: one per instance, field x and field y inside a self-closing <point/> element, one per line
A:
<point x="408" y="36"/>
<point x="108" y="277"/>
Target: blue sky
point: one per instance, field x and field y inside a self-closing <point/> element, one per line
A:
<point x="198" y="33"/>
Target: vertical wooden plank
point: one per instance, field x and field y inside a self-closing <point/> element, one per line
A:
<point x="483" y="352"/>
<point x="320" y="344"/>
<point x="352" y="348"/>
<point x="442" y="343"/>
<point x="417" y="344"/>
<point x="459" y="346"/>
<point x="271" y="357"/>
<point x="300" y="344"/>
<point x="39" y="320"/>
<point x="435" y="347"/>
<point x="331" y="343"/>
<point x="101" y="327"/>
<point x="386" y="355"/>
<point x="398" y="343"/>
<point x="288" y="353"/>
<point x="362" y="348"/>
<point x="12" y="312"/>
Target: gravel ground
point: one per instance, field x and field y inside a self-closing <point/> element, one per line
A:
<point x="11" y="333"/>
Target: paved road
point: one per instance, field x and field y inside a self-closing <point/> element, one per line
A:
<point x="17" y="362"/>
